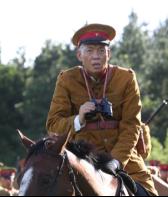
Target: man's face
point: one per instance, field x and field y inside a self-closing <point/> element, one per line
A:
<point x="94" y="57"/>
<point x="5" y="183"/>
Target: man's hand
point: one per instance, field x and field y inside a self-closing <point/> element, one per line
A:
<point x="84" y="109"/>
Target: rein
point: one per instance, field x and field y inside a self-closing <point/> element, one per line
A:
<point x="65" y="161"/>
<point x="72" y="177"/>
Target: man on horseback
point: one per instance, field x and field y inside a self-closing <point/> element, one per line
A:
<point x="101" y="103"/>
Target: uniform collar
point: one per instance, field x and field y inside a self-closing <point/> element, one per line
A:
<point x="101" y="77"/>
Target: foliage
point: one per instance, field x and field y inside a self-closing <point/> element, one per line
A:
<point x="131" y="49"/>
<point x="148" y="56"/>
<point x="159" y="151"/>
<point x="156" y="74"/>
<point x="39" y="91"/>
<point x="11" y="89"/>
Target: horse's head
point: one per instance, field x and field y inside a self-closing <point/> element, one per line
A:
<point x="43" y="168"/>
<point x="52" y="170"/>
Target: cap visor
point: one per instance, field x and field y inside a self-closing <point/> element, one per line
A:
<point x="92" y="41"/>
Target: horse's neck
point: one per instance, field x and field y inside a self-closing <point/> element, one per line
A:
<point x="102" y="184"/>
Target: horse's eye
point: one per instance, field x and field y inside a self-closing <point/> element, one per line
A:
<point x="46" y="181"/>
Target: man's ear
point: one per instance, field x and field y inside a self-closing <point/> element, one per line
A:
<point x="78" y="54"/>
<point x="109" y="54"/>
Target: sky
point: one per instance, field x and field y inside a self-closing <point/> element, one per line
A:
<point x="29" y="23"/>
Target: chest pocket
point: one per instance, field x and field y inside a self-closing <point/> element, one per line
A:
<point x="78" y="100"/>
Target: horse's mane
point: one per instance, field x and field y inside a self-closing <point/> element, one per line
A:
<point x="85" y="150"/>
<point x="81" y="149"/>
<point x="36" y="148"/>
<point x="100" y="160"/>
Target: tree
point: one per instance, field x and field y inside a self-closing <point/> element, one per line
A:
<point x="41" y="84"/>
<point x="157" y="152"/>
<point x="0" y="55"/>
<point x="130" y="50"/>
<point x="148" y="56"/>
<point x="20" y="60"/>
<point x="156" y="75"/>
<point x="11" y="88"/>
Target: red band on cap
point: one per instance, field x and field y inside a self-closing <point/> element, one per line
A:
<point x="90" y="35"/>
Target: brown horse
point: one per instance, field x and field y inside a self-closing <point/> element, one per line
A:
<point x="55" y="168"/>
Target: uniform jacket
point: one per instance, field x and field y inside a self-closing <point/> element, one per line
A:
<point x="123" y="92"/>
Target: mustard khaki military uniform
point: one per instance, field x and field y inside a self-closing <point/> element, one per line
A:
<point x="123" y="92"/>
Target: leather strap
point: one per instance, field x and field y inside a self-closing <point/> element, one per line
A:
<point x="110" y="70"/>
<point x="101" y="125"/>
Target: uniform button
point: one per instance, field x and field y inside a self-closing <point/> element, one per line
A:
<point x="105" y="140"/>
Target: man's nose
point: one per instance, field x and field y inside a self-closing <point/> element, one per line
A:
<point x="95" y="54"/>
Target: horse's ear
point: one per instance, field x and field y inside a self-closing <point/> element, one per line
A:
<point x="26" y="141"/>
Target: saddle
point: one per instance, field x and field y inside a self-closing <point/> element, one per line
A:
<point x="104" y="161"/>
<point x="114" y="168"/>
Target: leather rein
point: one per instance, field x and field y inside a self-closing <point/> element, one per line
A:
<point x="65" y="161"/>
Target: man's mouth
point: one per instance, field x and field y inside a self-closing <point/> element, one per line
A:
<point x="96" y="65"/>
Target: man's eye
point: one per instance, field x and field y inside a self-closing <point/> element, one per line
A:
<point x="102" y="50"/>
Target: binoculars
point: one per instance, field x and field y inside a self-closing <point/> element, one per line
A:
<point x="104" y="108"/>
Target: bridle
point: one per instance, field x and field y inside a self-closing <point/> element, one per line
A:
<point x="71" y="173"/>
<point x="72" y="176"/>
<point x="65" y="161"/>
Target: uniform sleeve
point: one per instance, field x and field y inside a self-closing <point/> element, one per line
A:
<point x="60" y="117"/>
<point x="130" y="123"/>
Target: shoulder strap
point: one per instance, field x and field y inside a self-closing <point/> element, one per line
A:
<point x="111" y="72"/>
<point x="86" y="82"/>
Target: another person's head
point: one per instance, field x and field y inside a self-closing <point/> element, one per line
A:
<point x="7" y="178"/>
<point x="164" y="172"/>
<point x="5" y="183"/>
<point x="92" y="42"/>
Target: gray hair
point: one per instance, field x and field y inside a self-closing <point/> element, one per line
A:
<point x="82" y="47"/>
